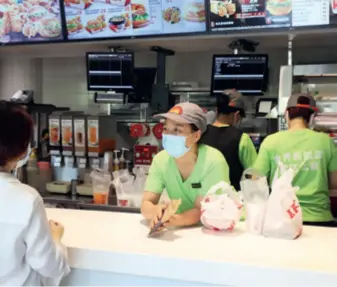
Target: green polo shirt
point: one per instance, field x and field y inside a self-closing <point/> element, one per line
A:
<point x="210" y="169"/>
<point x="315" y="155"/>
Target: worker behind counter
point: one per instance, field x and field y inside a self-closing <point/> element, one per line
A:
<point x="313" y="154"/>
<point x="235" y="145"/>
<point x="185" y="168"/>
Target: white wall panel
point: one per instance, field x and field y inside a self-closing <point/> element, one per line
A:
<point x="62" y="81"/>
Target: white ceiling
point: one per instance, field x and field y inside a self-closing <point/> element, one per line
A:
<point x="314" y="38"/>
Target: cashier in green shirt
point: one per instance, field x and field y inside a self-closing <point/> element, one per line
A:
<point x="313" y="154"/>
<point x="185" y="168"/>
<point x="235" y="145"/>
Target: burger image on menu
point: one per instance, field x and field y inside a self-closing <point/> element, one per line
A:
<point x="74" y="25"/>
<point x="140" y="16"/>
<point x="279" y="7"/>
<point x="96" y="25"/>
<point x="195" y="12"/>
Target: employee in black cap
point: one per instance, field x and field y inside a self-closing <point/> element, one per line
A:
<point x="236" y="146"/>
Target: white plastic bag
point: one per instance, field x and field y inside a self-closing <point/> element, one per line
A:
<point x="284" y="214"/>
<point x="139" y="185"/>
<point x="220" y="208"/>
<point x="255" y="193"/>
<point x="123" y="182"/>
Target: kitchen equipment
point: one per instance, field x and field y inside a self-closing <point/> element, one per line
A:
<point x="143" y="154"/>
<point x="45" y="175"/>
<point x="67" y="135"/>
<point x="108" y="162"/>
<point x="80" y="136"/>
<point x="85" y="189"/>
<point x="101" y="131"/>
<point x="61" y="187"/>
<point x="55" y="134"/>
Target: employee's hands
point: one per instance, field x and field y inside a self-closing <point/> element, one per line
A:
<point x="160" y="208"/>
<point x="57" y="230"/>
<point x="175" y="221"/>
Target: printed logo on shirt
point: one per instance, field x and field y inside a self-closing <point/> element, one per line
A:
<point x="311" y="160"/>
<point x="176" y="110"/>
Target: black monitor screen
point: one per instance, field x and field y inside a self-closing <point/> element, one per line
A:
<point x="245" y="73"/>
<point x="110" y="71"/>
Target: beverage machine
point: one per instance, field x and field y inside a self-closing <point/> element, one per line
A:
<point x="77" y="144"/>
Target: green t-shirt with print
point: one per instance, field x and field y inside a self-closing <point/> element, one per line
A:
<point x="210" y="169"/>
<point x="315" y="155"/>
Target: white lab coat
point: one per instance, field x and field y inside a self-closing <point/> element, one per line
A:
<point x="28" y="254"/>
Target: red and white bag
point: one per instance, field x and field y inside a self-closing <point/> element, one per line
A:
<point x="221" y="208"/>
<point x="283" y="218"/>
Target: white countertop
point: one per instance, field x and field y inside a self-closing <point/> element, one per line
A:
<point x="118" y="242"/>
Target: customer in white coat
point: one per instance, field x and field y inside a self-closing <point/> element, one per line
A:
<point x="31" y="252"/>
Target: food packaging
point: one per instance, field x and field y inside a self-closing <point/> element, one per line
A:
<point x="255" y="193"/>
<point x="139" y="185"/>
<point x="123" y="182"/>
<point x="101" y="186"/>
<point x="283" y="214"/>
<point x="221" y="208"/>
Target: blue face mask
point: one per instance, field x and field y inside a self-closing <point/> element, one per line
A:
<point x="175" y="145"/>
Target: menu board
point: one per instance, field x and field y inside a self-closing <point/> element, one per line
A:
<point x="249" y="14"/>
<point x="87" y="19"/>
<point x="314" y="12"/>
<point x="30" y="21"/>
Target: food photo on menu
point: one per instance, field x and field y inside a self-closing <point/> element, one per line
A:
<point x="88" y="19"/>
<point x="249" y="14"/>
<point x="30" y="21"/>
<point x="333" y="12"/>
<point x="183" y="16"/>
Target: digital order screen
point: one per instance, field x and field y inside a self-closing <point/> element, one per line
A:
<point x="109" y="71"/>
<point x="246" y="74"/>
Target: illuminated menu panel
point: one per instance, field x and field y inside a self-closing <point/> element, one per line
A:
<point x="88" y="19"/>
<point x="23" y="21"/>
<point x="310" y="13"/>
<point x="249" y="14"/>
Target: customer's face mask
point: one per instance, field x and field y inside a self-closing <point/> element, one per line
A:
<point x="175" y="145"/>
<point x="23" y="161"/>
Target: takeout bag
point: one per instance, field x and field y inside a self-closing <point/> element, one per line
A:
<point x="255" y="193"/>
<point x="221" y="208"/>
<point x="283" y="214"/>
<point x="139" y="185"/>
<point x="123" y="183"/>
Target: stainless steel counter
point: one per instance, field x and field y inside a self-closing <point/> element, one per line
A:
<point x="82" y="202"/>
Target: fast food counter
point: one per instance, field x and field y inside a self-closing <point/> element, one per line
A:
<point x="111" y="248"/>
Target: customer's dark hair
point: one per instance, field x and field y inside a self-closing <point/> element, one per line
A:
<point x="16" y="130"/>
<point x="300" y="112"/>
